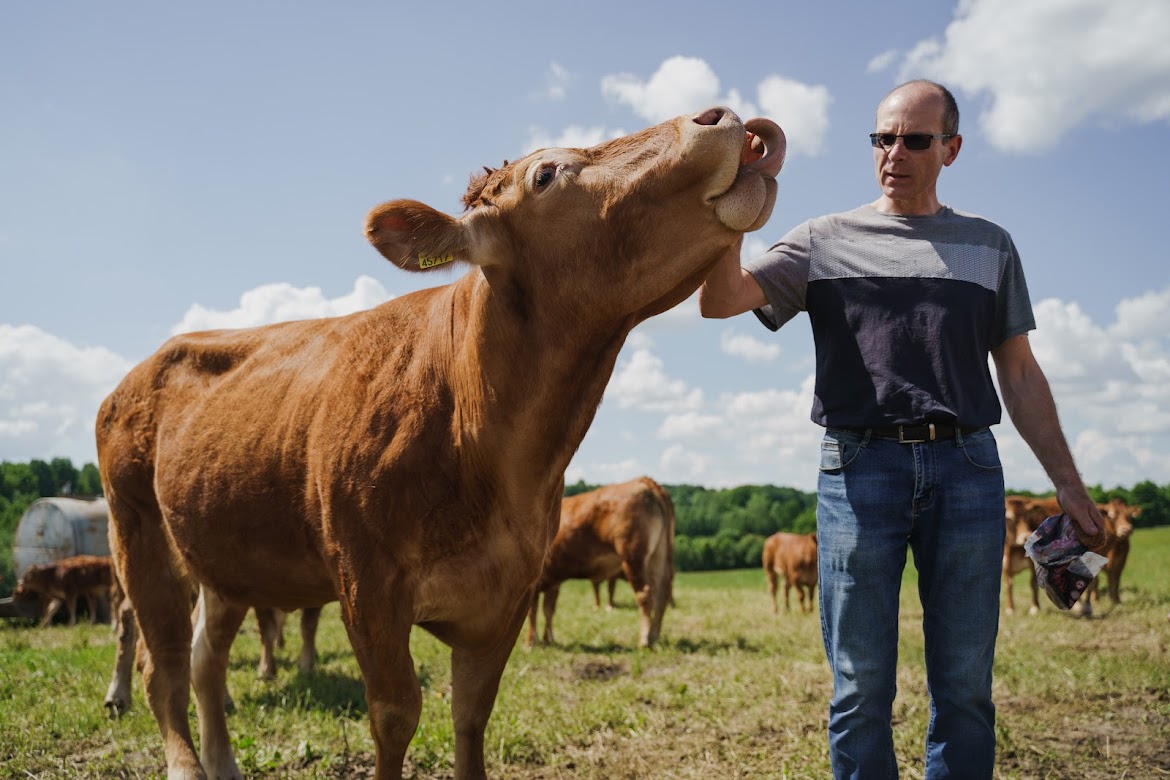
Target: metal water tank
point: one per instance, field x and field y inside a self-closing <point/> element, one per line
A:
<point x="55" y="528"/>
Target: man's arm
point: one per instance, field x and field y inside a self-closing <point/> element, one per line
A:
<point x="1030" y="405"/>
<point x="729" y="289"/>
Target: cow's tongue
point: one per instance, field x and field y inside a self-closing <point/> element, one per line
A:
<point x="747" y="205"/>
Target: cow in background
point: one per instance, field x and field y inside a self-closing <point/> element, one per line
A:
<point x="271" y="624"/>
<point x="1022" y="516"/>
<point x="1118" y="517"/>
<point x="793" y="558"/>
<point x="130" y="649"/>
<point x="625" y="529"/>
<point x="63" y="582"/>
<point x="409" y="459"/>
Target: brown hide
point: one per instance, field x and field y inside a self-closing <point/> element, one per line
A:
<point x="408" y="460"/>
<point x="619" y="530"/>
<point x="1118" y="517"/>
<point x="792" y="558"/>
<point x="63" y="582"/>
<point x="1022" y="516"/>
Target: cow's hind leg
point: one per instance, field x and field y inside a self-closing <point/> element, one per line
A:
<point x="551" y="593"/>
<point x="310" y="617"/>
<point x="118" y="695"/>
<point x="215" y="628"/>
<point x="162" y="603"/>
<point x="270" y="629"/>
<point x="475" y="681"/>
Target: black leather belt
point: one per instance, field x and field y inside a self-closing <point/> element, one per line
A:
<point x="910" y="434"/>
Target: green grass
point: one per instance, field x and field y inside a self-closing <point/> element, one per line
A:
<point x="731" y="692"/>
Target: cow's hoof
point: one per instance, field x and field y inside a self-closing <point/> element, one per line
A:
<point x="116" y="707"/>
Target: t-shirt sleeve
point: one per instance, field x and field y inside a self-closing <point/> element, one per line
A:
<point x="782" y="273"/>
<point x="1013" y="307"/>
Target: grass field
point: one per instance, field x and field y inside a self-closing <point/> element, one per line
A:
<point x="732" y="692"/>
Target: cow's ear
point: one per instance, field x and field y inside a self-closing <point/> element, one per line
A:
<point x="415" y="237"/>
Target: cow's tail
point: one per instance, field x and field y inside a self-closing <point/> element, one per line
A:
<point x="661" y="558"/>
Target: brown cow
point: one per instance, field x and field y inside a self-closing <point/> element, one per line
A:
<point x="271" y="624"/>
<point x="1118" y="517"/>
<point x="627" y="529"/>
<point x="409" y="460"/>
<point x="63" y="582"/>
<point x="1022" y="516"/>
<point x="792" y="557"/>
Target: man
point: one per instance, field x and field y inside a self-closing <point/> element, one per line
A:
<point x="906" y="298"/>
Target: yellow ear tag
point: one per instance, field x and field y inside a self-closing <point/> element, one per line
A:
<point x="430" y="262"/>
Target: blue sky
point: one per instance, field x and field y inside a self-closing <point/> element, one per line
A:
<point x="167" y="168"/>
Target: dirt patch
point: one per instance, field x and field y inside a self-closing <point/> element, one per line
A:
<point x="597" y="670"/>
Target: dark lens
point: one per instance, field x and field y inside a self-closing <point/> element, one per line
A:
<point x="916" y="142"/>
<point x="883" y="140"/>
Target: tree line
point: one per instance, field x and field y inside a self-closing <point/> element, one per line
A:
<point x="716" y="528"/>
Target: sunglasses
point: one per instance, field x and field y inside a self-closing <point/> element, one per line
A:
<point x="915" y="142"/>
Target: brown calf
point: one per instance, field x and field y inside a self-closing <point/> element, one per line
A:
<point x="793" y="558"/>
<point x="1022" y="516"/>
<point x="625" y="529"/>
<point x="63" y="582"/>
<point x="408" y="460"/>
<point x="1118" y="518"/>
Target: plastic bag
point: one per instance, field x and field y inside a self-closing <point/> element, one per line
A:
<point x="1064" y="566"/>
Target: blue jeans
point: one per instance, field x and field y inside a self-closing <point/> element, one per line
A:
<point x="943" y="500"/>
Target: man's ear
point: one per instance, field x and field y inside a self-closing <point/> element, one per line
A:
<point x="415" y="237"/>
<point x="953" y="147"/>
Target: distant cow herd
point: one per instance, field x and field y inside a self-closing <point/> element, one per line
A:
<point x="408" y="461"/>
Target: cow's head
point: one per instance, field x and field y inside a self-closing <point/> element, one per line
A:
<point x="1022" y="516"/>
<point x="627" y="228"/>
<point x="1119" y="517"/>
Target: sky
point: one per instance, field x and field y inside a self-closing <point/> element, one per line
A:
<point x="175" y="167"/>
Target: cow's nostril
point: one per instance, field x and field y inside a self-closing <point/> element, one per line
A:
<point x="709" y="117"/>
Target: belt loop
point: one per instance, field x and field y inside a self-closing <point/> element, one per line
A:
<point x="931" y="426"/>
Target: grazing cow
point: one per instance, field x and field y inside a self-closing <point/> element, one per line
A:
<point x="611" y="584"/>
<point x="408" y="460"/>
<point x="271" y="623"/>
<point x="1118" y="517"/>
<point x="792" y="557"/>
<point x="1022" y="516"/>
<point x="63" y="582"/>
<point x="625" y="529"/>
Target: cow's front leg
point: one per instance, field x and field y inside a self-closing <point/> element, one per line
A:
<point x="378" y="620"/>
<point x="475" y="680"/>
<point x="550" y="608"/>
<point x="215" y="629"/>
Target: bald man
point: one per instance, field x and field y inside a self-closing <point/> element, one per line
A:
<point x="907" y="298"/>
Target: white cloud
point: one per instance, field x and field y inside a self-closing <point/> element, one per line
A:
<point x="679" y="86"/>
<point x="642" y="383"/>
<point x="572" y="137"/>
<point x="685" y="84"/>
<point x="1050" y="65"/>
<point x="688" y="424"/>
<point x="882" y="61"/>
<point x="801" y="109"/>
<point x="557" y="80"/>
<point x="49" y="394"/>
<point x="679" y="464"/>
<point x="750" y="349"/>
<point x="281" y="302"/>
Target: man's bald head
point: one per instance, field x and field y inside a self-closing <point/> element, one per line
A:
<point x="948" y="105"/>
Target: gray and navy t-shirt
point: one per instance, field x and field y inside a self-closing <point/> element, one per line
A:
<point x="904" y="312"/>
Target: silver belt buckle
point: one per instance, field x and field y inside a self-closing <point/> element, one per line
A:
<point x="902" y="435"/>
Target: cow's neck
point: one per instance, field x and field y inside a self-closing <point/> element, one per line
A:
<point x="543" y="371"/>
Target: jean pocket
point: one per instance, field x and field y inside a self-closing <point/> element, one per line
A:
<point x="838" y="452"/>
<point x="981" y="451"/>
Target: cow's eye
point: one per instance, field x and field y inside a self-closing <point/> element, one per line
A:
<point x="545" y="175"/>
